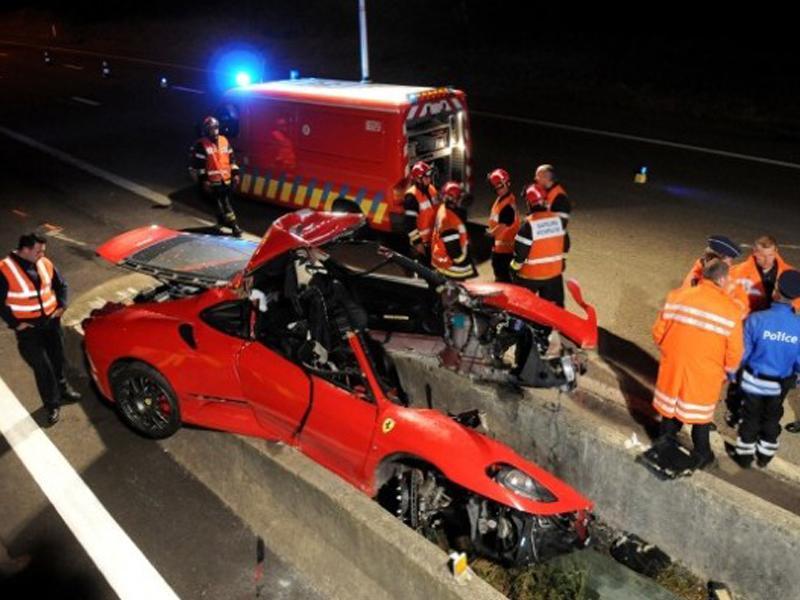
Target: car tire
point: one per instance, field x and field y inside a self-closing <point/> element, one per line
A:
<point x="145" y="400"/>
<point x="343" y="205"/>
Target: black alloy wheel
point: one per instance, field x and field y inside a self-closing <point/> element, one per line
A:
<point x="145" y="400"/>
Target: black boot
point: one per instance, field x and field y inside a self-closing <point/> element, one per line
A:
<point x="53" y="415"/>
<point x="68" y="393"/>
<point x="762" y="460"/>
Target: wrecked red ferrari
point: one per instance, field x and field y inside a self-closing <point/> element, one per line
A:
<point x="287" y="341"/>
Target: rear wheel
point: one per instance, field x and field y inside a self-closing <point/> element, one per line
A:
<point x="145" y="400"/>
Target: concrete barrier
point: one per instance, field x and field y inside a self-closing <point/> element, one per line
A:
<point x="714" y="528"/>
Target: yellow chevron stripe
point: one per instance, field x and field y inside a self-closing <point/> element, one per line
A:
<point x="379" y="212"/>
<point x="301" y="195"/>
<point x="244" y="187"/>
<point x="258" y="188"/>
<point x="286" y="191"/>
<point x="316" y="196"/>
<point x="272" y="189"/>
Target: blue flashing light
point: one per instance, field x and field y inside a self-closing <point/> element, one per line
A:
<point x="294" y="74"/>
<point x="243" y="78"/>
<point x="163" y="82"/>
<point x="412" y="98"/>
<point x="643" y="170"/>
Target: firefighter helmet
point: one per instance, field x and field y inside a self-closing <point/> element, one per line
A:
<point x="452" y="192"/>
<point x="421" y="169"/>
<point x="535" y="195"/>
<point x="498" y="177"/>
<point x="210" y="123"/>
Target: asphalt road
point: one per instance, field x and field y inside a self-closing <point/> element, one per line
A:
<point x="631" y="244"/>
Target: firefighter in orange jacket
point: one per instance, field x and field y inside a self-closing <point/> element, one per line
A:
<point x="540" y="248"/>
<point x="33" y="296"/>
<point x="719" y="247"/>
<point x="760" y="271"/>
<point x="419" y="205"/>
<point x="503" y="225"/>
<point x="450" y="253"/>
<point x="555" y="194"/>
<point x="213" y="163"/>
<point x="699" y="334"/>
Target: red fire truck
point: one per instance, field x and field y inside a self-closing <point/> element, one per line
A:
<point x="343" y="145"/>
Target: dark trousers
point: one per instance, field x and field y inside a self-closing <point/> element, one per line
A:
<point x="220" y="195"/>
<point x="549" y="289"/>
<point x="760" y="426"/>
<point x="501" y="265"/>
<point x="700" y="436"/>
<point x="42" y="347"/>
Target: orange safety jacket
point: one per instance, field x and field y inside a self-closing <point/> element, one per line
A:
<point x="24" y="300"/>
<point x="545" y="258"/>
<point x="735" y="290"/>
<point x="448" y="227"/>
<point x="747" y="275"/>
<point x="699" y="333"/>
<point x="551" y="195"/>
<point x="503" y="234"/>
<point x="219" y="160"/>
<point x="425" y="213"/>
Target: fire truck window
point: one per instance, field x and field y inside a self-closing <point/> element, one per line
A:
<point x="228" y="117"/>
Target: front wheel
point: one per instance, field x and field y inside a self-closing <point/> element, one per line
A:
<point x="145" y="400"/>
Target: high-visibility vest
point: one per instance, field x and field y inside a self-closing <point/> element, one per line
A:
<point x="699" y="333"/>
<point x="426" y="210"/>
<point x="551" y="195"/>
<point x="24" y="300"/>
<point x="218" y="159"/>
<point x="448" y="221"/>
<point x="746" y="274"/>
<point x="503" y="234"/>
<point x="546" y="253"/>
<point x="735" y="290"/>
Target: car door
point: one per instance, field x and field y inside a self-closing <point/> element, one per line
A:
<point x="277" y="389"/>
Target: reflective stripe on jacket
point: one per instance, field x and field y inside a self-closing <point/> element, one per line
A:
<point x="699" y="333"/>
<point x="448" y="229"/>
<point x="771" y="349"/>
<point x="545" y="258"/>
<point x="503" y="234"/>
<point x="23" y="299"/>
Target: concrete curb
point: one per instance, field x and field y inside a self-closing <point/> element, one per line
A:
<point x="716" y="529"/>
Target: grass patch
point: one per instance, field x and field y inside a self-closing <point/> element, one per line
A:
<point x="536" y="582"/>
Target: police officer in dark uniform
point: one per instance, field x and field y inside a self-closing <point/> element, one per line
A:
<point x="770" y="366"/>
<point x="33" y="296"/>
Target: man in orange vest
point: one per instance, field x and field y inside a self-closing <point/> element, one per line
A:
<point x="540" y="248"/>
<point x="419" y="204"/>
<point x="699" y="334"/>
<point x="213" y="163"/>
<point x="503" y="224"/>
<point x="450" y="254"/>
<point x="33" y="296"/>
<point x="556" y="196"/>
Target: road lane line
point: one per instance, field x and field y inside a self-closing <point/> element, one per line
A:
<point x="120" y="561"/>
<point x="83" y="100"/>
<point x="636" y="138"/>
<point x="126" y="184"/>
<point x="73" y="67"/>
<point x="187" y="89"/>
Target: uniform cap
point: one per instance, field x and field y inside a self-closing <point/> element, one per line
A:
<point x="789" y="284"/>
<point x="724" y="246"/>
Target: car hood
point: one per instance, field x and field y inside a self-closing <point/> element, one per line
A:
<point x="213" y="260"/>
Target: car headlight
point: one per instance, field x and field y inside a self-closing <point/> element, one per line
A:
<point x="521" y="484"/>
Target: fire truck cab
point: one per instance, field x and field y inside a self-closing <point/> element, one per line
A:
<point x="343" y="145"/>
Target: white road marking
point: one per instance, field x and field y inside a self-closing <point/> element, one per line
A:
<point x="636" y="138"/>
<point x="120" y="561"/>
<point x="187" y="89"/>
<point x="74" y="67"/>
<point x="127" y="184"/>
<point x="83" y="100"/>
<point x="60" y="236"/>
